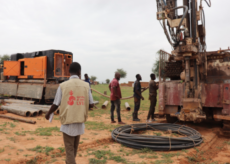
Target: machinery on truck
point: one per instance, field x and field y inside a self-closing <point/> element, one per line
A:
<point x="35" y="75"/>
<point x="198" y="85"/>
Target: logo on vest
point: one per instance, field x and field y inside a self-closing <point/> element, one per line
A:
<point x="71" y="98"/>
<point x="80" y="100"/>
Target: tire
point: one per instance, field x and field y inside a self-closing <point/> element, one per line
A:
<point x="171" y="119"/>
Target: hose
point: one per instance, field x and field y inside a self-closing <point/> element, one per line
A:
<point x="185" y="13"/>
<point x="125" y="98"/>
<point x="191" y="137"/>
<point x="209" y="4"/>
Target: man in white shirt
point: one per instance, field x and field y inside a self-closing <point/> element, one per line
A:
<point x="74" y="98"/>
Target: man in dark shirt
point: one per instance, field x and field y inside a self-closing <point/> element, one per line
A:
<point x="153" y="86"/>
<point x="87" y="79"/>
<point x="137" y="97"/>
<point x="115" y="97"/>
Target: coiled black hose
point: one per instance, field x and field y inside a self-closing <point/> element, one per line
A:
<point x="191" y="137"/>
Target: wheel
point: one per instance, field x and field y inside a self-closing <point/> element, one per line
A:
<point x="171" y="119"/>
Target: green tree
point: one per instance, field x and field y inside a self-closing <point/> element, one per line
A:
<point x="93" y="78"/>
<point x="122" y="72"/>
<point x="155" y="68"/>
<point x="107" y="81"/>
<point x="3" y="58"/>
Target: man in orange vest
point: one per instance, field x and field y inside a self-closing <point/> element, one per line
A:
<point x="73" y="98"/>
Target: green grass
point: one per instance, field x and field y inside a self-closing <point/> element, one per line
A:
<point x="32" y="161"/>
<point x="2" y="150"/>
<point x="40" y="149"/>
<point x="62" y="149"/>
<point x="11" y="139"/>
<point x="40" y="131"/>
<point x="126" y="92"/>
<point x="93" y="125"/>
<point x="97" y="161"/>
<point x="7" y="160"/>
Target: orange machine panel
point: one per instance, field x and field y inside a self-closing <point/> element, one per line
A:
<point x="11" y="68"/>
<point x="58" y="64"/>
<point x="34" y="67"/>
<point x="68" y="61"/>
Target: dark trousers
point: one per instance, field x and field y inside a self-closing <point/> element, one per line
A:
<point x="116" y="104"/>
<point x="137" y="103"/>
<point x="153" y="100"/>
<point x="71" y="145"/>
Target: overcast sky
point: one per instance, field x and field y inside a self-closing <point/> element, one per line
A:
<point x="103" y="35"/>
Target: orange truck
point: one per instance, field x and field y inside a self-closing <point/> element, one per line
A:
<point x="35" y="75"/>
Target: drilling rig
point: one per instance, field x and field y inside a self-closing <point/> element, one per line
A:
<point x="194" y="84"/>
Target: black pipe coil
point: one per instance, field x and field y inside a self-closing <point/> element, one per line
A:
<point x="191" y="137"/>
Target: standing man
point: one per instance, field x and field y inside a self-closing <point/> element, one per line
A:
<point x="137" y="97"/>
<point x="153" y="86"/>
<point x="87" y="79"/>
<point x="115" y="97"/>
<point x="74" y="99"/>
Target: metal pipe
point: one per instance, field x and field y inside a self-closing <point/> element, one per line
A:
<point x="190" y="19"/>
<point x="105" y="104"/>
<point x="35" y="111"/>
<point x="18" y="119"/>
<point x="195" y="73"/>
<point x="160" y="67"/>
<point x="194" y="21"/>
<point x="187" y="76"/>
<point x="18" y="101"/>
<point x="127" y="106"/>
<point x="17" y="110"/>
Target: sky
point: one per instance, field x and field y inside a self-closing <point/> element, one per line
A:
<point x="103" y="35"/>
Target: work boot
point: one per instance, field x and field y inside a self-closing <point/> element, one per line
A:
<point x="135" y="117"/>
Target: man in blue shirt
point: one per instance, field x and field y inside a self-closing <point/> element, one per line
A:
<point x="87" y="79"/>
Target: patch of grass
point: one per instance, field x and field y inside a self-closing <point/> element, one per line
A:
<point x="118" y="159"/>
<point x="93" y="125"/>
<point x="12" y="125"/>
<point x="46" y="131"/>
<point x="62" y="149"/>
<point x="169" y="155"/>
<point x="81" y="142"/>
<point x="101" y="153"/>
<point x="16" y="121"/>
<point x="20" y="133"/>
<point x="20" y="150"/>
<point x="192" y="159"/>
<point x="30" y="138"/>
<point x="40" y="131"/>
<point x="166" y="161"/>
<point x="197" y="150"/>
<point x="145" y="150"/>
<point x="152" y="156"/>
<point x="175" y="134"/>
<point x="184" y="150"/>
<point x="40" y="149"/>
<point x="27" y="155"/>
<point x="227" y="142"/>
<point x="11" y="139"/>
<point x="7" y="160"/>
<point x="97" y="161"/>
<point x="2" y="150"/>
<point x="32" y="161"/>
<point x="158" y="134"/>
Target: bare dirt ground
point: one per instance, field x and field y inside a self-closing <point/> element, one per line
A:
<point x="22" y="143"/>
